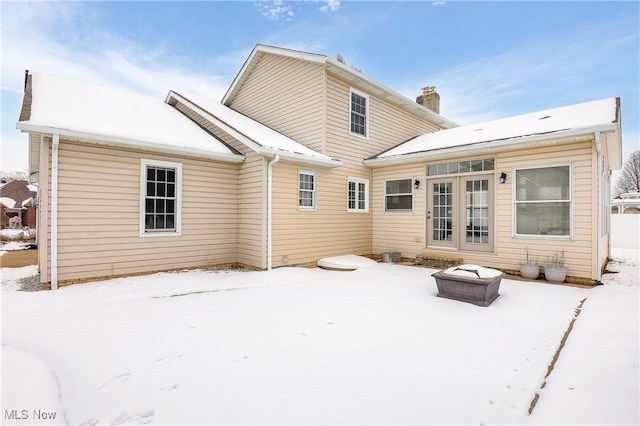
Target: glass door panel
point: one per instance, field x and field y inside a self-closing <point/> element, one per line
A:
<point x="441" y="213"/>
<point x="476" y="216"/>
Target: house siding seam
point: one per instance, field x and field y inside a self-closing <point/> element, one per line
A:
<point x="252" y="189"/>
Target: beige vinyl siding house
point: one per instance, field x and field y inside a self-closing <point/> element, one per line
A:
<point x="307" y="98"/>
<point x="551" y="200"/>
<point x="99" y="219"/>
<point x="306" y="158"/>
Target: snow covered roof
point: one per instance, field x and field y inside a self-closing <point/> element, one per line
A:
<point x="116" y="117"/>
<point x="8" y="202"/>
<point x="258" y="137"/>
<point x="573" y="120"/>
<point x="339" y="69"/>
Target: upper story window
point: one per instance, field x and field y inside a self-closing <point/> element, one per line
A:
<point x="357" y="195"/>
<point x="160" y="195"/>
<point x="398" y="195"/>
<point x="359" y="113"/>
<point x="306" y="190"/>
<point x="542" y="201"/>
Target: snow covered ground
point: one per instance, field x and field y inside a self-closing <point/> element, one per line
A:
<point x="307" y="346"/>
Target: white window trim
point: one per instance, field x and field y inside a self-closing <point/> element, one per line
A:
<point x="366" y="119"/>
<point x="571" y="201"/>
<point x="384" y="199"/>
<point x="314" y="207"/>
<point x="143" y="192"/>
<point x="366" y="195"/>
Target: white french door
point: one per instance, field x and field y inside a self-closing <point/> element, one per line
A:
<point x="460" y="212"/>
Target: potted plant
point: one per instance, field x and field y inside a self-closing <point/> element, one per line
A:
<point x="530" y="268"/>
<point x="554" y="269"/>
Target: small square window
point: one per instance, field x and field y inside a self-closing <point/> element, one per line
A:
<point x="398" y="195"/>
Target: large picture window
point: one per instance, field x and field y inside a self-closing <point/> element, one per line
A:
<point x="542" y="201"/>
<point x="160" y="198"/>
<point x="398" y="195"/>
<point x="359" y="113"/>
<point x="306" y="190"/>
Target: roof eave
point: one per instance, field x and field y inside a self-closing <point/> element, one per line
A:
<point x="115" y="141"/>
<point x="522" y="142"/>
<point x="301" y="158"/>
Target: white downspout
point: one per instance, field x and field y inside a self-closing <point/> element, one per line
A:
<point x="54" y="212"/>
<point x="270" y="208"/>
<point x="599" y="207"/>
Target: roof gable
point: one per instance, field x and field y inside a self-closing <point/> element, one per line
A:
<point x="341" y="71"/>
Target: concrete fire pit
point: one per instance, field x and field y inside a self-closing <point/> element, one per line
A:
<point x="469" y="283"/>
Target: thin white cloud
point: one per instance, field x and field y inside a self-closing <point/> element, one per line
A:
<point x="539" y="75"/>
<point x="276" y="10"/>
<point x="92" y="57"/>
<point x="331" y="6"/>
<point x="438" y="3"/>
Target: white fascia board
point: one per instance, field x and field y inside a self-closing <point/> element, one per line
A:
<point x="114" y="141"/>
<point x="300" y="158"/>
<point x="248" y="142"/>
<point x="488" y="146"/>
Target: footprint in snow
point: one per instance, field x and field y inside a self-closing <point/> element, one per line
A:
<point x="141" y="418"/>
<point x="122" y="378"/>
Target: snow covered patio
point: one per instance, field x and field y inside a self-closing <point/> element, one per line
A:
<point x="300" y="346"/>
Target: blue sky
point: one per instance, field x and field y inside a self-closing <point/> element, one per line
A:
<point x="487" y="59"/>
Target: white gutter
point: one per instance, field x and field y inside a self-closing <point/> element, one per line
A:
<point x="270" y="209"/>
<point x="54" y="212"/>
<point x="300" y="158"/>
<point x="520" y="142"/>
<point x="116" y="141"/>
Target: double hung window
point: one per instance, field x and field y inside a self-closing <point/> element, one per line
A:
<point x="160" y="197"/>
<point x="359" y="113"/>
<point x="398" y="195"/>
<point x="542" y="201"/>
<point x="306" y="190"/>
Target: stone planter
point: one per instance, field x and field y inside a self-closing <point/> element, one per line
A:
<point x="479" y="291"/>
<point x="396" y="256"/>
<point x="385" y="257"/>
<point x="530" y="271"/>
<point x="555" y="274"/>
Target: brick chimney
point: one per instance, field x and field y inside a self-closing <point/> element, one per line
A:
<point x="430" y="99"/>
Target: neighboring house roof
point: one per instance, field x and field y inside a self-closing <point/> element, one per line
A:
<point x="255" y="135"/>
<point x="116" y="117"/>
<point x="339" y="69"/>
<point x="8" y="202"/>
<point x="569" y="121"/>
<point x="15" y="193"/>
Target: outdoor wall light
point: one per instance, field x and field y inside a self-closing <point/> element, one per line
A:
<point x="503" y="177"/>
<point x="416" y="184"/>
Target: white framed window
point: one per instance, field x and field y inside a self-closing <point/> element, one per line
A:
<point x="398" y="195"/>
<point x="542" y="200"/>
<point x="359" y="113"/>
<point x="306" y="190"/>
<point x="357" y="195"/>
<point x="160" y="198"/>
